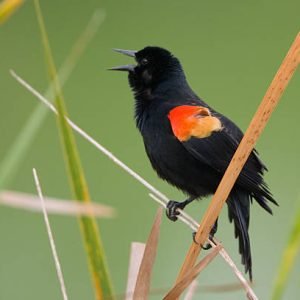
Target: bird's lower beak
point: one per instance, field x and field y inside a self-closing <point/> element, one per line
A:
<point x="128" y="68"/>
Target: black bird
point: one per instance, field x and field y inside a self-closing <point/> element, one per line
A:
<point x="189" y="144"/>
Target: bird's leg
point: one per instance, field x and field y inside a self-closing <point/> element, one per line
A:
<point x="172" y="206"/>
<point x="211" y="236"/>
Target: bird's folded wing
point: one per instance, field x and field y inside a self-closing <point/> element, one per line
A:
<point x="217" y="151"/>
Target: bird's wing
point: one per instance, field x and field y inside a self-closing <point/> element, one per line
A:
<point x="189" y="121"/>
<point x="236" y="133"/>
<point x="217" y="146"/>
<point x="215" y="150"/>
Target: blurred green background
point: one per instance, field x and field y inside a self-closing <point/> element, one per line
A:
<point x="230" y="51"/>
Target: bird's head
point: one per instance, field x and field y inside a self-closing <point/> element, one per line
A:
<point x="154" y="65"/>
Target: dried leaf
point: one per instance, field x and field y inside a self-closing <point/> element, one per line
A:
<point x="142" y="286"/>
<point x="136" y="255"/>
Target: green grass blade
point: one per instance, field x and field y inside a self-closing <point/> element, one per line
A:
<point x="16" y="153"/>
<point x="91" y="236"/>
<point x="288" y="258"/>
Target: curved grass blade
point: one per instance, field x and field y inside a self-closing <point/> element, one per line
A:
<point x="89" y="229"/>
<point x="288" y="259"/>
<point x="17" y="151"/>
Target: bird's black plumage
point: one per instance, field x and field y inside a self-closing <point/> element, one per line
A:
<point x="195" y="165"/>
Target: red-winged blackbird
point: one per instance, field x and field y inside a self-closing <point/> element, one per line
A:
<point x="189" y="144"/>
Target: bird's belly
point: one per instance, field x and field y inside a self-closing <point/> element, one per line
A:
<point x="176" y="165"/>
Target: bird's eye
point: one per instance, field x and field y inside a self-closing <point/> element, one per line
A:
<point x="144" y="61"/>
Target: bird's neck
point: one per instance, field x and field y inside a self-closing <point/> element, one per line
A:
<point x="168" y="91"/>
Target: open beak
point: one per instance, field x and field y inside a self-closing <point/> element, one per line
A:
<point x="128" y="68"/>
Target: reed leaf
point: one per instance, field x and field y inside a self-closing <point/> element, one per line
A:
<point x="89" y="229"/>
<point x="142" y="286"/>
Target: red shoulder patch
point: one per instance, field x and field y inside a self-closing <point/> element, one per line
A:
<point x="192" y="121"/>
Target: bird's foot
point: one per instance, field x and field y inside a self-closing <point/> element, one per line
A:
<point x="172" y="209"/>
<point x="173" y="206"/>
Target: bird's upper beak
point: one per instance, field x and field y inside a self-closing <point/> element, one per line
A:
<point x="128" y="68"/>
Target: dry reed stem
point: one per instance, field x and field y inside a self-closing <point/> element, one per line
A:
<point x="50" y="236"/>
<point x="258" y="123"/>
<point x="136" y="255"/>
<point x="55" y="206"/>
<point x="142" y="286"/>
<point x="157" y="195"/>
<point x="179" y="288"/>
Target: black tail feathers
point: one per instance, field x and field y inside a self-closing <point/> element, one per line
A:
<point x="263" y="196"/>
<point x="239" y="212"/>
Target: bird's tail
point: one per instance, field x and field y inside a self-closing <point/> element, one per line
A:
<point x="239" y="212"/>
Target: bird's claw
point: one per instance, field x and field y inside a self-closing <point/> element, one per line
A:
<point x="194" y="237"/>
<point x="207" y="246"/>
<point x="171" y="210"/>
